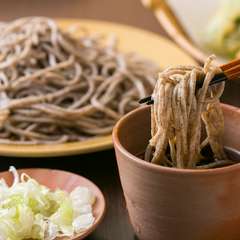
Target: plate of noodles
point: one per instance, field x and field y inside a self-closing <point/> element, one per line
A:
<point x="65" y="83"/>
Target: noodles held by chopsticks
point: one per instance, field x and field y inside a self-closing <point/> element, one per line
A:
<point x="179" y="113"/>
<point x="56" y="87"/>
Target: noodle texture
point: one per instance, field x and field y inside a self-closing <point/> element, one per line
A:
<point x="58" y="87"/>
<point x="186" y="118"/>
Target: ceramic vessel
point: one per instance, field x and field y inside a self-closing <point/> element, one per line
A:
<point x="67" y="181"/>
<point x="177" y="204"/>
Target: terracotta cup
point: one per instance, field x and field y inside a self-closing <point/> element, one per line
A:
<point x="177" y="204"/>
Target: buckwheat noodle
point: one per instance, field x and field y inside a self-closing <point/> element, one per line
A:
<point x="179" y="113"/>
<point x="58" y="87"/>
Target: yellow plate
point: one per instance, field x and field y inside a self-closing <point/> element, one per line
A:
<point x="147" y="44"/>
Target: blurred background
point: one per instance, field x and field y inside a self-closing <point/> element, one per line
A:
<point x="130" y="12"/>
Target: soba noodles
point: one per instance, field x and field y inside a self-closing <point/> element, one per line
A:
<point x="56" y="87"/>
<point x="179" y="114"/>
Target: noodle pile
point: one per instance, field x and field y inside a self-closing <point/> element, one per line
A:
<point x="179" y="114"/>
<point x="56" y="87"/>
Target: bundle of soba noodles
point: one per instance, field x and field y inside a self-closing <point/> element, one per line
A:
<point x="180" y="115"/>
<point x="56" y="87"/>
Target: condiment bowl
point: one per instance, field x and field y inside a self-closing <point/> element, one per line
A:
<point x="185" y="204"/>
<point x="57" y="179"/>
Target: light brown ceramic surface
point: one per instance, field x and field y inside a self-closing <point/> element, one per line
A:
<point x="169" y="204"/>
<point x="66" y="181"/>
<point x="131" y="39"/>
